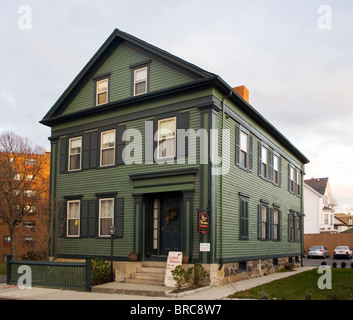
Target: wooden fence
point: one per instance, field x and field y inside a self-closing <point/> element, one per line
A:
<point x="62" y="275"/>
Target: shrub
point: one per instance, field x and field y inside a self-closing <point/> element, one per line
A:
<point x="100" y="272"/>
<point x="352" y="265"/>
<point x="334" y="265"/>
<point x="343" y="264"/>
<point x="199" y="274"/>
<point x="323" y="263"/>
<point x="181" y="276"/>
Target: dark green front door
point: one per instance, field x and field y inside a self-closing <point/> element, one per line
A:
<point x="163" y="224"/>
<point x="170" y="223"/>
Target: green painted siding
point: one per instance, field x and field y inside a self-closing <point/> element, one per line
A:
<point x="118" y="64"/>
<point x="116" y="179"/>
<point x="249" y="183"/>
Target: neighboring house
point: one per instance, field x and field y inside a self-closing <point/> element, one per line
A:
<point x="318" y="204"/>
<point x="32" y="232"/>
<point x="343" y="221"/>
<point x="118" y="158"/>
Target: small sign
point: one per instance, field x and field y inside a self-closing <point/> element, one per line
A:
<point x="203" y="222"/>
<point x="174" y="259"/>
<point x="205" y="247"/>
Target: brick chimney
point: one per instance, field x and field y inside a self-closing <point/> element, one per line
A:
<point x="243" y="92"/>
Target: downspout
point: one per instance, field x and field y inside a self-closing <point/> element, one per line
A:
<point x="221" y="184"/>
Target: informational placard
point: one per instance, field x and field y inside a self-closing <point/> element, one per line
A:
<point x="175" y="259"/>
<point x="205" y="247"/>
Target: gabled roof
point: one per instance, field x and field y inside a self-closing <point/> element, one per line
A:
<point x="318" y="184"/>
<point x="116" y="37"/>
<point x="202" y="77"/>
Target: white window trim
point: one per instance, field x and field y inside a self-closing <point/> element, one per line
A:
<point x="99" y="217"/>
<point x="67" y="219"/>
<point x="136" y="82"/>
<point x="159" y="138"/>
<point x="68" y="168"/>
<point x="107" y="91"/>
<point x="101" y="148"/>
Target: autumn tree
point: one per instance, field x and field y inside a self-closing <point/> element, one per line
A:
<point x="24" y="183"/>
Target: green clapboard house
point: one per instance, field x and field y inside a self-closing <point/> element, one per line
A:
<point x="173" y="157"/>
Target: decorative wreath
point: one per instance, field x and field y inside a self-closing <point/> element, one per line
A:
<point x="171" y="214"/>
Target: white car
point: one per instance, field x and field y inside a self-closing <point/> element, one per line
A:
<point x="318" y="251"/>
<point x="342" y="252"/>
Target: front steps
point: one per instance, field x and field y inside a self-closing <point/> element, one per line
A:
<point x="150" y="273"/>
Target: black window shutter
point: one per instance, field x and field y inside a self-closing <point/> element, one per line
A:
<point x="295" y="228"/>
<point x="237" y="145"/>
<point x="84" y="219"/>
<point x="279" y="230"/>
<point x="92" y="221"/>
<point x="250" y="153"/>
<point x="63" y="155"/>
<point x="94" y="150"/>
<point x="120" y="145"/>
<point x="280" y="171"/>
<point x="270" y="164"/>
<point x="62" y="219"/>
<point x="86" y="151"/>
<point x="260" y="159"/>
<point x="289" y="170"/>
<point x="119" y="217"/>
<point x="271" y="223"/>
<point x="259" y="210"/>
<point x="183" y="123"/>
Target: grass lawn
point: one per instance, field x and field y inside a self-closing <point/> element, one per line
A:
<point x="304" y="286"/>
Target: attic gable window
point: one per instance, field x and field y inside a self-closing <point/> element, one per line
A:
<point x="102" y="92"/>
<point x="140" y="81"/>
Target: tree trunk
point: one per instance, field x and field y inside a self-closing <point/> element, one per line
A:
<point x="13" y="238"/>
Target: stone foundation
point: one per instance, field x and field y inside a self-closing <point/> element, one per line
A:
<point x="235" y="271"/>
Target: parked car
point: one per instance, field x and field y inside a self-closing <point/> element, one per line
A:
<point x="342" y="252"/>
<point x="318" y="251"/>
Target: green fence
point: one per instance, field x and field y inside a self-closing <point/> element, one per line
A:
<point x="62" y="275"/>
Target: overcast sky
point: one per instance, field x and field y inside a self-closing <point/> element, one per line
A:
<point x="295" y="57"/>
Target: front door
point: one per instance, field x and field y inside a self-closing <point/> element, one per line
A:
<point x="163" y="224"/>
<point x="170" y="224"/>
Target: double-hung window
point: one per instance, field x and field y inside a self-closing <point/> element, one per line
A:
<point x="291" y="227"/>
<point x="264" y="162"/>
<point x="292" y="180"/>
<point x="276" y="224"/>
<point x="102" y="92"/>
<point x="276" y="169"/>
<point x="166" y="138"/>
<point x="106" y="216"/>
<point x="107" y="148"/>
<point x="75" y="147"/>
<point x="73" y="218"/>
<point x="244" y="149"/>
<point x="298" y="182"/>
<point x="140" y="81"/>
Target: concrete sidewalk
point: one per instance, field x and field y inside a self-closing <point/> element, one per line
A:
<point x="117" y="291"/>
